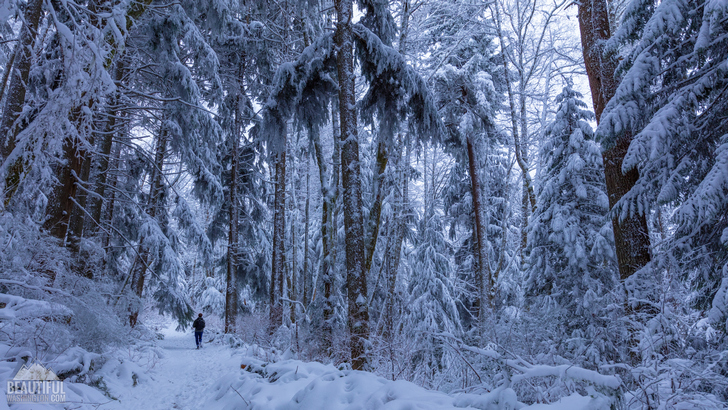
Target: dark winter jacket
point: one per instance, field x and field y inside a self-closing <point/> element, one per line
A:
<point x="198" y="324"/>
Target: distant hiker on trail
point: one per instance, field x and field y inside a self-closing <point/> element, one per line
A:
<point x="199" y="325"/>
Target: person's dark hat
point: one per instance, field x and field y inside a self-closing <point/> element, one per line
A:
<point x="200" y="315"/>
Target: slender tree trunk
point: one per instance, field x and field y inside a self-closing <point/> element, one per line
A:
<point x="6" y="75"/>
<point x="425" y="189"/>
<point x="358" y="314"/>
<point x="375" y="214"/>
<point x="16" y="93"/>
<point x="335" y="209"/>
<point x="106" y="143"/>
<point x="485" y="281"/>
<point x="394" y="251"/>
<point x="307" y="226"/>
<point x="144" y="254"/>
<point x="279" y="229"/>
<point x="78" y="211"/>
<point x="111" y="202"/>
<point x="328" y="192"/>
<point x="231" y="289"/>
<point x="631" y="237"/>
<point x="529" y="196"/>
<point x="395" y="241"/>
<point x="292" y="276"/>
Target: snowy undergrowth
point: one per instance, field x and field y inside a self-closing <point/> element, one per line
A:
<point x="294" y="384"/>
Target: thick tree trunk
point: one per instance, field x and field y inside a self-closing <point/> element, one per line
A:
<point x="631" y="237"/>
<point x="358" y="314"/>
<point x="279" y="229"/>
<point x="16" y="95"/>
<point x="485" y="281"/>
<point x="60" y="204"/>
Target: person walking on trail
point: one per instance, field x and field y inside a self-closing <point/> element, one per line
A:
<point x="199" y="326"/>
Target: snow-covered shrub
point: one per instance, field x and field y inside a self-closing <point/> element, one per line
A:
<point x="56" y="314"/>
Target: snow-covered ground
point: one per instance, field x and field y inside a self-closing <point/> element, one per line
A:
<point x="297" y="385"/>
<point x="180" y="377"/>
<point x="172" y="374"/>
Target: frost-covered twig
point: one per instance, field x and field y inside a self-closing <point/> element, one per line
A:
<point x="295" y="302"/>
<point x="465" y="360"/>
<point x="241" y="396"/>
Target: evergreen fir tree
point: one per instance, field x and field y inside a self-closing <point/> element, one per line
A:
<point x="431" y="309"/>
<point x="571" y="249"/>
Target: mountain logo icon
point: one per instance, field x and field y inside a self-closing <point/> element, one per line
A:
<point x="36" y="371"/>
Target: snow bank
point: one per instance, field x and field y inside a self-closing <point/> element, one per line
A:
<point x="293" y="385"/>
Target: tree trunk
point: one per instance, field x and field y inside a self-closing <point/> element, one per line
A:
<point x="78" y="212"/>
<point x="60" y="204"/>
<point x="485" y="281"/>
<point x="108" y="213"/>
<point x="144" y="254"/>
<point x="529" y="196"/>
<point x="231" y="288"/>
<point x="631" y="237"/>
<point x="307" y="226"/>
<point x="394" y="252"/>
<point x="395" y="241"/>
<point x="358" y="314"/>
<point x="16" y="93"/>
<point x="375" y="214"/>
<point x="6" y="75"/>
<point x="106" y="143"/>
<point x="292" y="276"/>
<point x="279" y="229"/>
<point x="328" y="192"/>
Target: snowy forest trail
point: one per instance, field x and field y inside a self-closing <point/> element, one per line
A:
<point x="181" y="378"/>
